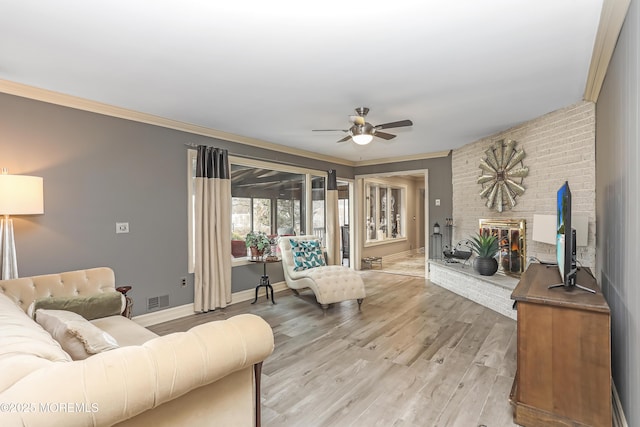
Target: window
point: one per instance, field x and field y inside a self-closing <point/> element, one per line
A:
<point x="385" y="207"/>
<point x="267" y="200"/>
<point x="372" y="200"/>
<point x="240" y="217"/>
<point x="268" y="197"/>
<point x="289" y="214"/>
<point x="262" y="220"/>
<point x="343" y="211"/>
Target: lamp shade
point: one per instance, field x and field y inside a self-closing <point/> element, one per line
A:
<point x="21" y="195"/>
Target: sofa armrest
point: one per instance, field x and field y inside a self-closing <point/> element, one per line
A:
<point x="119" y="384"/>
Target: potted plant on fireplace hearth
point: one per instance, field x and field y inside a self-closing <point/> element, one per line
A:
<point x="258" y="242"/>
<point x="486" y="247"/>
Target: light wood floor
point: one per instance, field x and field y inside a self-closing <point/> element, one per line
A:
<point x="410" y="265"/>
<point x="417" y="355"/>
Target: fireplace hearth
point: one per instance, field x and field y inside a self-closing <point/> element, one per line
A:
<point x="511" y="234"/>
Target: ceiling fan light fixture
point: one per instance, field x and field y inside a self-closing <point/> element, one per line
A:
<point x="362" y="139"/>
<point x="362" y="132"/>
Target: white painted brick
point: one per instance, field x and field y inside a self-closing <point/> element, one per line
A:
<point x="560" y="146"/>
<point x="473" y="287"/>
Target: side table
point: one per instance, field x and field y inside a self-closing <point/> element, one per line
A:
<point x="264" y="279"/>
<point x="128" y="308"/>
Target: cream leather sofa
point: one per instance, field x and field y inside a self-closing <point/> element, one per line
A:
<point x="329" y="283"/>
<point x="202" y="377"/>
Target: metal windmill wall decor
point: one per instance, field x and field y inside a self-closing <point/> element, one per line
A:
<point x="502" y="174"/>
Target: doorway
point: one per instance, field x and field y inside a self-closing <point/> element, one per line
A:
<point x="405" y="249"/>
<point x="421" y="219"/>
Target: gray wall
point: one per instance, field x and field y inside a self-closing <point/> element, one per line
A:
<point x="98" y="170"/>
<point x="617" y="195"/>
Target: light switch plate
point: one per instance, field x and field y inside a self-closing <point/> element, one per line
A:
<point x="437" y="202"/>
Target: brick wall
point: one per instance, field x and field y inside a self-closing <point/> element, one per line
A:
<point x="483" y="290"/>
<point x="559" y="146"/>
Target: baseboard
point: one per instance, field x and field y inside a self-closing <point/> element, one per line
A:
<point x="160" y="316"/>
<point x="149" y="319"/>
<point x="619" y="419"/>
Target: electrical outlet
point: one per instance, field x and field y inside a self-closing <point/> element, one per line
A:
<point x="183" y="282"/>
<point x="122" y="227"/>
<point x="437" y="202"/>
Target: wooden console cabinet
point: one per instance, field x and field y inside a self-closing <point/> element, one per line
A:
<point x="563" y="373"/>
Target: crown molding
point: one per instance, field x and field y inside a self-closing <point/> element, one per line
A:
<point x="57" y="98"/>
<point x="424" y="156"/>
<point x="611" y="20"/>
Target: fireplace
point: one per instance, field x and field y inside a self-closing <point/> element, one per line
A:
<point x="511" y="234"/>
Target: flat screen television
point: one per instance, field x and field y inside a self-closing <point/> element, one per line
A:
<point x="564" y="255"/>
<point x="566" y="242"/>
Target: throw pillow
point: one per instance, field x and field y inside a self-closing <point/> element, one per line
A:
<point x="306" y="254"/>
<point x="76" y="335"/>
<point x="92" y="307"/>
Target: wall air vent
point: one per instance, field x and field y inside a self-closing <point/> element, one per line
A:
<point x="155" y="303"/>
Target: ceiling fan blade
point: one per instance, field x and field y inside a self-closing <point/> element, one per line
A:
<point x="346" y="138"/>
<point x="399" y="124"/>
<point x="329" y="130"/>
<point x="384" y="135"/>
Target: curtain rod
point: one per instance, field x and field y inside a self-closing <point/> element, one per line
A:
<point x="262" y="159"/>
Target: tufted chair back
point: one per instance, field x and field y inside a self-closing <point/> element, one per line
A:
<point x="24" y="291"/>
<point x="287" y="254"/>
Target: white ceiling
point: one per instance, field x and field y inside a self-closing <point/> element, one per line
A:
<point x="459" y="69"/>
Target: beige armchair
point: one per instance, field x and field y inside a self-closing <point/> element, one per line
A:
<point x="329" y="283"/>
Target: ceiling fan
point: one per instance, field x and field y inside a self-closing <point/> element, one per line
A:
<point x="362" y="132"/>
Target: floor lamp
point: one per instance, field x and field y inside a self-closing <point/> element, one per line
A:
<point x="19" y="195"/>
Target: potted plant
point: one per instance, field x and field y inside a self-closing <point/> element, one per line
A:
<point x="258" y="242"/>
<point x="486" y="247"/>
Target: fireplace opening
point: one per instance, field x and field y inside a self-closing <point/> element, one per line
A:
<point x="511" y="235"/>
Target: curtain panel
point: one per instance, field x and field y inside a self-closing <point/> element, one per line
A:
<point x="212" y="275"/>
<point x="333" y="223"/>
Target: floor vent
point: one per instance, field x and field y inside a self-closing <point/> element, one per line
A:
<point x="155" y="303"/>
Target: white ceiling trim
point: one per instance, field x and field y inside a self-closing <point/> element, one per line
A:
<point x="51" y="97"/>
<point x="404" y="158"/>
<point x="611" y="20"/>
